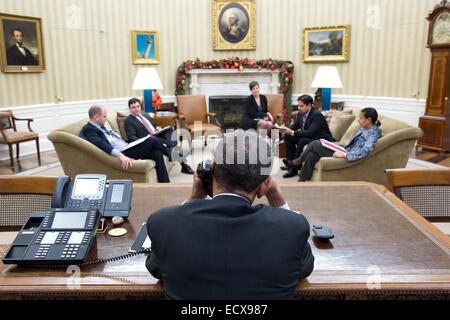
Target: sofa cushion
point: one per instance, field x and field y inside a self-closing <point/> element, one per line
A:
<point x="339" y="124"/>
<point x="121" y="123"/>
<point x="350" y="133"/>
<point x="389" y="125"/>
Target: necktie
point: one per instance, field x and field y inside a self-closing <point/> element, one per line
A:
<point x="146" y="124"/>
<point x="303" y="121"/>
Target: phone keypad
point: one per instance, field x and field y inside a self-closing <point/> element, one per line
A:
<point x="42" y="251"/>
<point x="70" y="251"/>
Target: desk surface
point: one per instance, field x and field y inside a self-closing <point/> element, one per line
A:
<point x="382" y="248"/>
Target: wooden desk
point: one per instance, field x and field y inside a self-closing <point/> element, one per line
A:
<point x="377" y="239"/>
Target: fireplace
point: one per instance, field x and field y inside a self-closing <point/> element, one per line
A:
<point x="229" y="110"/>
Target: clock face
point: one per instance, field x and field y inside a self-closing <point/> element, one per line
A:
<point x="441" y="29"/>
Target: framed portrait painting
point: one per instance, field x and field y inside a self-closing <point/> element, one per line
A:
<point x="234" y="25"/>
<point x="326" y="44"/>
<point x="21" y="45"/>
<point x="145" y="47"/>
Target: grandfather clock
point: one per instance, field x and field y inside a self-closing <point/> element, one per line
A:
<point x="436" y="121"/>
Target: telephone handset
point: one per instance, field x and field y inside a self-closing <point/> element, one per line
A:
<point x="92" y="191"/>
<point x="205" y="173"/>
<point x="60" y="192"/>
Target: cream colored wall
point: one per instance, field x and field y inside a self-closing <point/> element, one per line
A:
<point x="94" y="62"/>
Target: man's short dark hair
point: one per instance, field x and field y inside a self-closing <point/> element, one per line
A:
<point x="133" y="101"/>
<point x="306" y="99"/>
<point x="243" y="160"/>
<point x="94" y="111"/>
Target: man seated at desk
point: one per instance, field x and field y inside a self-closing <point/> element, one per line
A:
<point x="226" y="248"/>
<point x="139" y="124"/>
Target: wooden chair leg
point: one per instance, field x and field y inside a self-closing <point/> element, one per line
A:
<point x="38" y="151"/>
<point x="17" y="151"/>
<point x="11" y="155"/>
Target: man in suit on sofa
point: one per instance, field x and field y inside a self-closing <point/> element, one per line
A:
<point x="139" y="124"/>
<point x="309" y="125"/>
<point x="111" y="143"/>
<point x="226" y="247"/>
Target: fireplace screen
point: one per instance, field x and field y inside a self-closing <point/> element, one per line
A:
<point x="229" y="110"/>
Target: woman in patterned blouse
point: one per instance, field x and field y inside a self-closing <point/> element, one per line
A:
<point x="359" y="147"/>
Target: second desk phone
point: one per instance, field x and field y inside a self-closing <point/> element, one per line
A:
<point x="93" y="191"/>
<point x="58" y="236"/>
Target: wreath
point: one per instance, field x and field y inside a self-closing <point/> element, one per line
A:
<point x="286" y="69"/>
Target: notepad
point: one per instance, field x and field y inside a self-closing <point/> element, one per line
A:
<point x="332" y="146"/>
<point x="136" y="142"/>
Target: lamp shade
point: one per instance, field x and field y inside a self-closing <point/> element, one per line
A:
<point x="147" y="78"/>
<point x="327" y="77"/>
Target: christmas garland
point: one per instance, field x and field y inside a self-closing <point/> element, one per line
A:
<point x="286" y="69"/>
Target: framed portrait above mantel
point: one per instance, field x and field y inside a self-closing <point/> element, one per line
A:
<point x="234" y="25"/>
<point x="326" y="44"/>
<point x="21" y="45"/>
<point x="145" y="47"/>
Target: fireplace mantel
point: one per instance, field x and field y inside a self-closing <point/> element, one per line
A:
<point x="222" y="82"/>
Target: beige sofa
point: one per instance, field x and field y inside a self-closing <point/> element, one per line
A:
<point x="391" y="151"/>
<point x="80" y="156"/>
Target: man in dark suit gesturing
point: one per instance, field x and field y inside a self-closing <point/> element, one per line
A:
<point x="309" y="125"/>
<point x="17" y="54"/>
<point x="225" y="247"/>
<point x="139" y="124"/>
<point x="111" y="143"/>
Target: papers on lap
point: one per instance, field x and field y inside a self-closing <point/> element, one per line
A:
<point x="332" y="146"/>
<point x="136" y="142"/>
<point x="162" y="130"/>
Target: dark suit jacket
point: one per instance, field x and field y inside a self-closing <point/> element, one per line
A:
<point x="135" y="129"/>
<point x="225" y="248"/>
<point x="316" y="127"/>
<point x="251" y="112"/>
<point x="95" y="136"/>
<point x="16" y="58"/>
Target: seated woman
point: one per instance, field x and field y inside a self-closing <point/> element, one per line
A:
<point x="359" y="147"/>
<point x="256" y="115"/>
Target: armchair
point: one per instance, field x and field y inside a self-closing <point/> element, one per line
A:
<point x="275" y="106"/>
<point x="10" y="136"/>
<point x="192" y="108"/>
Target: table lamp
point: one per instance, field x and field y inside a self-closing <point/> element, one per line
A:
<point x="326" y="77"/>
<point x="147" y="79"/>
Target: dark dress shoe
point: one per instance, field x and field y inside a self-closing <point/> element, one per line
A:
<point x="185" y="168"/>
<point x="292" y="172"/>
<point x="284" y="168"/>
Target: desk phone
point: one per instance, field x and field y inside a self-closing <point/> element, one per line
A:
<point x="93" y="191"/>
<point x="58" y="236"/>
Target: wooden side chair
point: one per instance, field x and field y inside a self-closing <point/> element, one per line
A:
<point x="425" y="190"/>
<point x="10" y="136"/>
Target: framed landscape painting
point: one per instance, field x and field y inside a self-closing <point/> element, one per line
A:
<point x="326" y="44"/>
